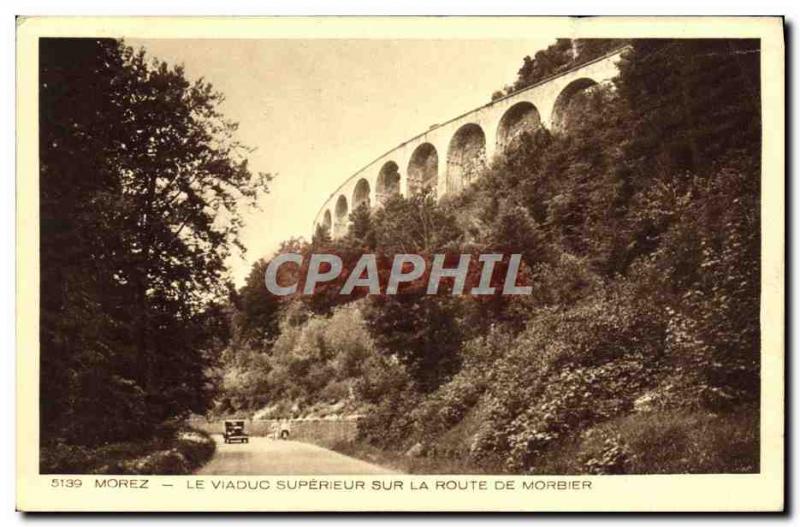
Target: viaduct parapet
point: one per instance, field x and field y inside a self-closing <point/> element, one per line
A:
<point x="447" y="156"/>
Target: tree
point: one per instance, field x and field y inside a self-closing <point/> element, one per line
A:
<point x="360" y="227"/>
<point x="258" y="311"/>
<point x="414" y="224"/>
<point x="560" y="56"/>
<point x="142" y="184"/>
<point x="692" y="101"/>
<point x="321" y="236"/>
<point x="424" y="332"/>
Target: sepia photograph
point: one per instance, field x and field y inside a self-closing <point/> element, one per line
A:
<point x="532" y="256"/>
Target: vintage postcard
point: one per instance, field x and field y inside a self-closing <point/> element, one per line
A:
<point x="400" y="264"/>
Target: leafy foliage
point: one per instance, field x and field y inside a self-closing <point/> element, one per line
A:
<point x="179" y="452"/>
<point x="315" y="360"/>
<point x="564" y="54"/>
<point x="142" y="183"/>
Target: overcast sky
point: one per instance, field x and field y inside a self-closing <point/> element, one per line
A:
<point x="318" y="110"/>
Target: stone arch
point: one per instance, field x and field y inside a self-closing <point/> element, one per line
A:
<point x="521" y="117"/>
<point x="341" y="211"/>
<point x="466" y="156"/>
<point x="327" y="222"/>
<point x="388" y="181"/>
<point x="361" y="194"/>
<point x="561" y="107"/>
<point x="423" y="169"/>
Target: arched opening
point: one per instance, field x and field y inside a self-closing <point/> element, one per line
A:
<point x="466" y="157"/>
<point x="423" y="169"/>
<point x="361" y="194"/>
<point x="388" y="181"/>
<point x="520" y="118"/>
<point x="563" y="113"/>
<point x="340" y="227"/>
<point x="327" y="222"/>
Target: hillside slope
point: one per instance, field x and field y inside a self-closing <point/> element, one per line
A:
<point x="638" y="351"/>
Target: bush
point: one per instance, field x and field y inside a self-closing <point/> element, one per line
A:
<point x="662" y="443"/>
<point x="388" y="391"/>
<point x="449" y="405"/>
<point x="569" y="370"/>
<point x="315" y="359"/>
<point x="179" y="452"/>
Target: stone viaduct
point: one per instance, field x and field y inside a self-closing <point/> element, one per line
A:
<point x="447" y="156"/>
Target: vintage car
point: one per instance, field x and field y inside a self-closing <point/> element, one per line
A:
<point x="234" y="432"/>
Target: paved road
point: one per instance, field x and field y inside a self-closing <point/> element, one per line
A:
<point x="263" y="456"/>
